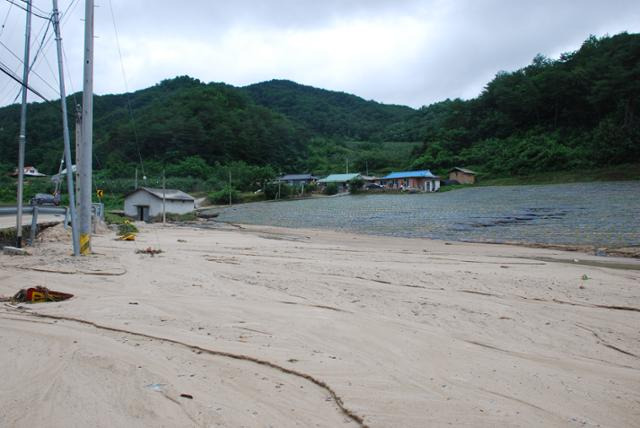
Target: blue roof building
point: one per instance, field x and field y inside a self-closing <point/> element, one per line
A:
<point x="422" y="180"/>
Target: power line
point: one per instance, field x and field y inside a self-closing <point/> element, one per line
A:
<point x="44" y="45"/>
<point x="8" y="72"/>
<point x="4" y="23"/>
<point x="25" y="9"/>
<point x="31" y="70"/>
<point x="126" y="86"/>
<point x="33" y="6"/>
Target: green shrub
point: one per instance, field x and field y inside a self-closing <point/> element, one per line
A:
<point x="221" y="197"/>
<point x="331" y="189"/>
<point x="356" y="185"/>
<point x="111" y="218"/>
<point x="127" y="227"/>
<point x="277" y="191"/>
<point x="176" y="217"/>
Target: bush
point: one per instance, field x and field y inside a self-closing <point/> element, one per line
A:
<point x="277" y="191"/>
<point x="111" y="218"/>
<point x="356" y="185"/>
<point x="221" y="197"/>
<point x="331" y="189"/>
<point x="127" y="227"/>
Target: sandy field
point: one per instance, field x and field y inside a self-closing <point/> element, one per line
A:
<point x="239" y="326"/>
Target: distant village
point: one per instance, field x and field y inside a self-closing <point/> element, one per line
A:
<point x="145" y="203"/>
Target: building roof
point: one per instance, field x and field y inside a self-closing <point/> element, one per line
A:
<point x="296" y="177"/>
<point x="425" y="173"/>
<point x="338" y="178"/>
<point x="466" y="171"/>
<point x="170" y="194"/>
<point x="369" y="177"/>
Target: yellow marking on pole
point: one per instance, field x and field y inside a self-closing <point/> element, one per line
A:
<point x="85" y="244"/>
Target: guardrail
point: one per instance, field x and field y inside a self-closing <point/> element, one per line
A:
<point x="34" y="211"/>
<point x="28" y="209"/>
<point x="97" y="210"/>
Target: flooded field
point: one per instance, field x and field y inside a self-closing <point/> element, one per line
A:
<point x="599" y="214"/>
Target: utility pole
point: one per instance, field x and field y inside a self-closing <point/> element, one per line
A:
<point x="347" y="161"/>
<point x="78" y="149"/>
<point x="86" y="153"/>
<point x="22" y="139"/>
<point x="135" y="185"/>
<point x="366" y="163"/>
<point x="65" y="133"/>
<point x="164" y="198"/>
<point x="230" y="202"/>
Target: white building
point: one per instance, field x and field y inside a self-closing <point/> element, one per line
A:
<point x="146" y="203"/>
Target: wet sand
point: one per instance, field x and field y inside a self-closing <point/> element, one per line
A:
<point x="262" y="326"/>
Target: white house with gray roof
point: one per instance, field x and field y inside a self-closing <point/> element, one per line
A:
<point x="146" y="203"/>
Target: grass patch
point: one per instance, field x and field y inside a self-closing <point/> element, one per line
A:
<point x="624" y="172"/>
<point x="111" y="218"/>
<point x="173" y="217"/>
<point x="450" y="187"/>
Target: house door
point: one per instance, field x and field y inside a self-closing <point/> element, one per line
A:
<point x="143" y="212"/>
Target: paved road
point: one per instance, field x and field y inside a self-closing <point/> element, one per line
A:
<point x="9" y="221"/>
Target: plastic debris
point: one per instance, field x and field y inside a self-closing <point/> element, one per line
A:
<point x="127" y="237"/>
<point x="149" y="250"/>
<point x="156" y="386"/>
<point x="39" y="295"/>
<point x="14" y="251"/>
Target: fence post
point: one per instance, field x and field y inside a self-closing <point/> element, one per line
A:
<point x="34" y="225"/>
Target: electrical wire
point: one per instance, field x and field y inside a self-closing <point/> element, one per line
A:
<point x="31" y="71"/>
<point x="126" y="87"/>
<point x="6" y="17"/>
<point x="45" y="45"/>
<point x="33" y="6"/>
<point x="6" y="70"/>
<point x="25" y="9"/>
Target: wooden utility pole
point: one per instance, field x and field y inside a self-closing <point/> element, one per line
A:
<point x="22" y="139"/>
<point x="65" y="133"/>
<point x="85" y="166"/>
<point x="230" y="201"/>
<point x="164" y="198"/>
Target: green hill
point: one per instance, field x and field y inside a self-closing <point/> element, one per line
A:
<point x="329" y="113"/>
<point x="578" y="111"/>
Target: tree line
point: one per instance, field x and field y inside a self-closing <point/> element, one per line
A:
<point x="579" y="110"/>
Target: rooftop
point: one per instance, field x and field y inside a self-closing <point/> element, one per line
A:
<point x="425" y="173"/>
<point x="170" y="194"/>
<point x="296" y="177"/>
<point x="339" y="178"/>
<point x="466" y="171"/>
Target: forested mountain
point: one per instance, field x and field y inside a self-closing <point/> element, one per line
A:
<point x="175" y="119"/>
<point x="329" y="113"/>
<point x="579" y="110"/>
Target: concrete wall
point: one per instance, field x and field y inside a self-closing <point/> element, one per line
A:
<point x="142" y="198"/>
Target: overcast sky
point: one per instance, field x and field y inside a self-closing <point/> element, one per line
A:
<point x="411" y="52"/>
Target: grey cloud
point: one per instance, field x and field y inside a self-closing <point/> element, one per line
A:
<point x="454" y="49"/>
